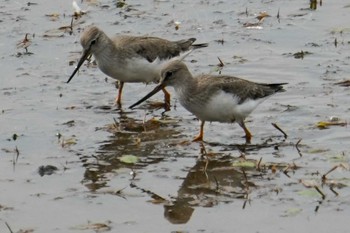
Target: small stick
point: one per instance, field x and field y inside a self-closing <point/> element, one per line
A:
<point x="317" y="207"/>
<point x="15" y="160"/>
<point x="203" y="151"/>
<point x="149" y="192"/>
<point x="206" y="166"/>
<point x="220" y="41"/>
<point x="217" y="185"/>
<point x="258" y="165"/>
<point x="320" y="192"/>
<point x="297" y="147"/>
<point x="285" y="170"/>
<point x="246" y="197"/>
<point x="221" y="64"/>
<point x="71" y="26"/>
<point x="335" y="192"/>
<point x="8" y="226"/>
<point x="245" y="177"/>
<point x="120" y="193"/>
<point x="144" y="123"/>
<point x="324" y="175"/>
<point x="279" y="129"/>
<point x="115" y="123"/>
<point x="242" y="155"/>
<point x="133" y="173"/>
<point x="244" y="204"/>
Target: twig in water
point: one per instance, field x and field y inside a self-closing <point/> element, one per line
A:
<point x="25" y="43"/>
<point x="149" y="192"/>
<point x="217" y="185"/>
<point x="221" y="64"/>
<point x="8" y="226"/>
<point x="333" y="191"/>
<point x="220" y="41"/>
<point x="144" y="123"/>
<point x="324" y="178"/>
<point x="120" y="193"/>
<point x="244" y="204"/>
<point x="258" y="165"/>
<point x="242" y="155"/>
<point x="247" y="200"/>
<point x="245" y="178"/>
<point x="15" y="160"/>
<point x="285" y="171"/>
<point x="115" y="123"/>
<point x="318" y="206"/>
<point x="279" y="129"/>
<point x="71" y="26"/>
<point x="206" y="166"/>
<point x="297" y="147"/>
<point x="203" y="151"/>
<point x="320" y="192"/>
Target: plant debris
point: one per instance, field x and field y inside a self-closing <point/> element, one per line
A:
<point x="47" y="170"/>
<point x="326" y="124"/>
<point x="345" y="83"/>
<point x="298" y="55"/>
<point x="25" y="43"/>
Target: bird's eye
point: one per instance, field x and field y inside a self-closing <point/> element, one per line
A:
<point x="93" y="41"/>
<point x="168" y="74"/>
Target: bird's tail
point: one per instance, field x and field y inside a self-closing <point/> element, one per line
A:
<point x="277" y="87"/>
<point x="187" y="44"/>
<point x="187" y="47"/>
<point x="198" y="46"/>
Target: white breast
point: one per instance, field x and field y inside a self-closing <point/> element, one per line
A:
<point x="132" y="70"/>
<point x="222" y="107"/>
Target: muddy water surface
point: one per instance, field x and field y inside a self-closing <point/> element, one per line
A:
<point x="73" y="162"/>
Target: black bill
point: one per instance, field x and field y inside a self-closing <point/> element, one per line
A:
<point x="153" y="92"/>
<point x="85" y="55"/>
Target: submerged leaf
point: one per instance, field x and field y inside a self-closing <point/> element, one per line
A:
<point x="317" y="151"/>
<point x="97" y="227"/>
<point x="69" y="142"/>
<point x="244" y="163"/>
<point x="326" y="124"/>
<point x="309" y="193"/>
<point x="291" y="212"/>
<point x="130" y="159"/>
<point x="120" y="3"/>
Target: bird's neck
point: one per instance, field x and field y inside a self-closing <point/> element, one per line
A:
<point x="186" y="87"/>
<point x="107" y="56"/>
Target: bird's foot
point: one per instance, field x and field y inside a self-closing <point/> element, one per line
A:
<point x="117" y="104"/>
<point x="198" y="138"/>
<point x="248" y="139"/>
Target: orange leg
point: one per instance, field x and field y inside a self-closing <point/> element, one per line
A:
<point x="199" y="137"/>
<point x="248" y="135"/>
<point x="118" y="100"/>
<point x="166" y="99"/>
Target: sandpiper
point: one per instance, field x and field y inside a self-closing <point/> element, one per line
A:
<point x="214" y="97"/>
<point x="131" y="58"/>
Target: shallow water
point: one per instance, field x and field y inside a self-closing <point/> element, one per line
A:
<point x="175" y="185"/>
